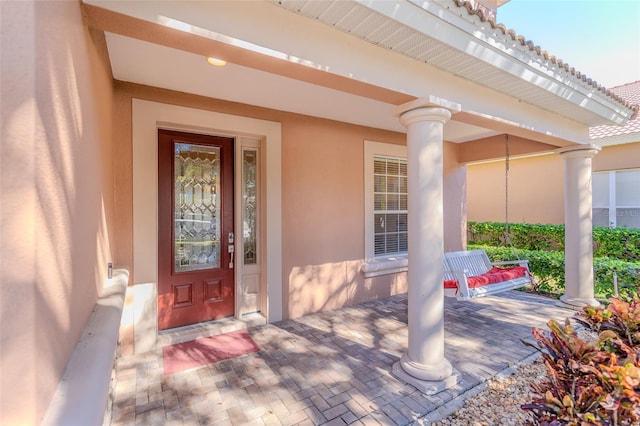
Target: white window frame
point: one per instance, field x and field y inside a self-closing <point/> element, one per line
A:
<point x="378" y="265"/>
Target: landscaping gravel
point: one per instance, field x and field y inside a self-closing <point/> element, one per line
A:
<point x="499" y="403"/>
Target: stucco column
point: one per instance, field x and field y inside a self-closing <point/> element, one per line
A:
<point x="578" y="238"/>
<point x="424" y="365"/>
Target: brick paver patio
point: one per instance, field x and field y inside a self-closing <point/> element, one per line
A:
<point x="332" y="368"/>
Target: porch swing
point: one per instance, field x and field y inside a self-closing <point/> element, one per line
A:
<point x="470" y="274"/>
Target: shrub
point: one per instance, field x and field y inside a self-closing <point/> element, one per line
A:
<point x="627" y="275"/>
<point x="590" y="383"/>
<point x="618" y="243"/>
<point x="525" y="236"/>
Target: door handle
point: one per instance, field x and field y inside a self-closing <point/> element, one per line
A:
<point x="232" y="249"/>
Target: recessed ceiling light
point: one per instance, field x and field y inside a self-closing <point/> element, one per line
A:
<point x="216" y="62"/>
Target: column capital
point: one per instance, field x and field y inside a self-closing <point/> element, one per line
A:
<point x="428" y="108"/>
<point x="425" y="114"/>
<point x="581" y="151"/>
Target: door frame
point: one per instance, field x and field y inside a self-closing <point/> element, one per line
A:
<point x="147" y="118"/>
<point x="199" y="305"/>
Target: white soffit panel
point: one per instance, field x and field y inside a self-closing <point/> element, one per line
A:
<point x="442" y="35"/>
<point x="142" y="62"/>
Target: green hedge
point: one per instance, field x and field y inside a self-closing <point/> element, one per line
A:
<point x="618" y="243"/>
<point x="548" y="269"/>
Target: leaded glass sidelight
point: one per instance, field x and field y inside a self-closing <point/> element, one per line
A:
<point x="249" y="206"/>
<point x="197" y="218"/>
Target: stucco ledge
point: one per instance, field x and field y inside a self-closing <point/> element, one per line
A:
<point x="384" y="266"/>
<point x="82" y="394"/>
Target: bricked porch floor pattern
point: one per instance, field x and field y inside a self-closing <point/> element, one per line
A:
<point x="332" y="368"/>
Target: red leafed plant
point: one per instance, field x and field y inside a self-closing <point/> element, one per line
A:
<point x="590" y="382"/>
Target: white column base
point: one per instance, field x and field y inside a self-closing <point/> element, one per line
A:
<point x="577" y="303"/>
<point x="426" y="372"/>
<point x="427" y="387"/>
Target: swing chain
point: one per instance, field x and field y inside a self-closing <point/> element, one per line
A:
<point x="507" y="231"/>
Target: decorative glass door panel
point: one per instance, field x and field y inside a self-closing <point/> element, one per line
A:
<point x="249" y="298"/>
<point x="249" y="205"/>
<point x="197" y="220"/>
<point x="196" y="279"/>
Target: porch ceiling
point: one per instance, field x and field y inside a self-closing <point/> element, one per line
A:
<point x="154" y="65"/>
<point x="288" y="56"/>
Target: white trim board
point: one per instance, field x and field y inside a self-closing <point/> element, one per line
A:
<point x="147" y="117"/>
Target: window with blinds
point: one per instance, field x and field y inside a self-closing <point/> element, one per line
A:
<point x="390" y="206"/>
<point x="616" y="198"/>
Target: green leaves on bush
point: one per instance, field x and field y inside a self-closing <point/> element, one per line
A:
<point x="627" y="274"/>
<point x="618" y="243"/>
<point x="524" y="236"/>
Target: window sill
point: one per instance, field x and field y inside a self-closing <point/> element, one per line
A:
<point x="384" y="266"/>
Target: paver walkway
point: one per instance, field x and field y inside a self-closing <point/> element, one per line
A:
<point x="332" y="367"/>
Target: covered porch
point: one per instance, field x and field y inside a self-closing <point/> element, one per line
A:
<point x="314" y="85"/>
<point x="331" y="367"/>
<point x="310" y="91"/>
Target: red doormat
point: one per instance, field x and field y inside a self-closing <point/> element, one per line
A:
<point x="207" y="350"/>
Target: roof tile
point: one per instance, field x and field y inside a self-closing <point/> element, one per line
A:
<point x="485" y="15"/>
<point x="631" y="93"/>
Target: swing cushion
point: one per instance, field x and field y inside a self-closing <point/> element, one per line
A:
<point x="492" y="276"/>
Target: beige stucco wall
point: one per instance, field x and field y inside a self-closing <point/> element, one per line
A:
<point x="322" y="200"/>
<point x="536" y="185"/>
<point x="323" y="216"/>
<point x="57" y="200"/>
<point x="536" y="191"/>
<point x="618" y="157"/>
<point x="455" y="199"/>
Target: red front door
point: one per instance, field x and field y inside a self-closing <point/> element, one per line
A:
<point x="195" y="228"/>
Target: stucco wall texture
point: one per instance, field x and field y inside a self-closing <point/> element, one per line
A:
<point x="56" y="183"/>
<point x="536" y="185"/>
<point x="322" y="200"/>
<point x="67" y="198"/>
